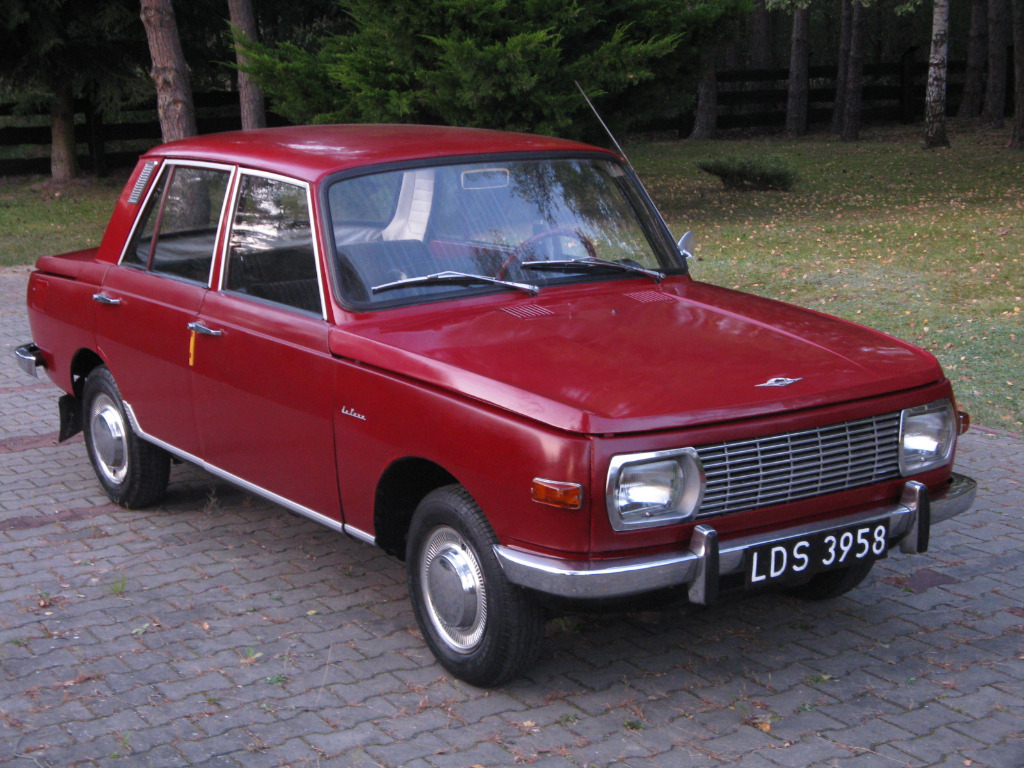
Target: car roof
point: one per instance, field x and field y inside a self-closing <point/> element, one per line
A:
<point x="310" y="152"/>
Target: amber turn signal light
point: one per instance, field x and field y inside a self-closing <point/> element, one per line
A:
<point x="556" y="493"/>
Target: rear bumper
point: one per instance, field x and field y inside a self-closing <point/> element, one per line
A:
<point x="706" y="560"/>
<point x="29" y="358"/>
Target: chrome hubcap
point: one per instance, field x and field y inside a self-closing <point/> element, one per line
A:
<point x="108" y="436"/>
<point x="453" y="589"/>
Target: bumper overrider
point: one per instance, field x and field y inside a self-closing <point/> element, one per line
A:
<point x="706" y="560"/>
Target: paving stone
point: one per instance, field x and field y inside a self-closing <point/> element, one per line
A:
<point x="246" y="637"/>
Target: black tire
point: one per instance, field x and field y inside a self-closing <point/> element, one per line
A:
<point x="480" y="627"/>
<point x="831" y="584"/>
<point x="132" y="472"/>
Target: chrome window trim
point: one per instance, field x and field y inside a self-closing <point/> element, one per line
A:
<point x="229" y="224"/>
<point x="154" y="182"/>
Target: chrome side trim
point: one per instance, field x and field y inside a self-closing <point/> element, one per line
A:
<point x="29" y="358"/>
<point x="694" y="566"/>
<point x="329" y="522"/>
<point x="356" y="533"/>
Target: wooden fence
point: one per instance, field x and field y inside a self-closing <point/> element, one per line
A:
<point x="746" y="99"/>
<point x="892" y="93"/>
<point x="25" y="139"/>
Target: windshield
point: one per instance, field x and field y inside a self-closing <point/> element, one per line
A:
<point x="397" y="232"/>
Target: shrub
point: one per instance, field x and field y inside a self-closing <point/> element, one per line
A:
<point x="744" y="173"/>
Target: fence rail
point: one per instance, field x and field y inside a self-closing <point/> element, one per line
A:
<point x="895" y="92"/>
<point x="750" y="98"/>
<point x="24" y="148"/>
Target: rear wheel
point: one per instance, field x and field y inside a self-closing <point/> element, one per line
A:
<point x="132" y="472"/>
<point x="831" y="584"/>
<point x="480" y="627"/>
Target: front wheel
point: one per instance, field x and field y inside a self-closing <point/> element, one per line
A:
<point x="480" y="627"/>
<point x="133" y="473"/>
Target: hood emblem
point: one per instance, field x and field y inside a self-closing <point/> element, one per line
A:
<point x="779" y="381"/>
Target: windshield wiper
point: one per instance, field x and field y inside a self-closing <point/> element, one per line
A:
<point x="455" y="277"/>
<point x="591" y="262"/>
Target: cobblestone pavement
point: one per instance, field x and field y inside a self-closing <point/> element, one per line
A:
<point x="219" y="630"/>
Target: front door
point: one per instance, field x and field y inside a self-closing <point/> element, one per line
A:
<point x="261" y="369"/>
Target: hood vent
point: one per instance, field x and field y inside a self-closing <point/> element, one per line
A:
<point x="649" y="297"/>
<point x="526" y="311"/>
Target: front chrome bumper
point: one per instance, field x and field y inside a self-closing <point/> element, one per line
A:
<point x="705" y="560"/>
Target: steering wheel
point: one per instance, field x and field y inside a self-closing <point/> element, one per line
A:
<point x="557" y="232"/>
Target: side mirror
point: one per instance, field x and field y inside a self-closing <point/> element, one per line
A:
<point x="685" y="245"/>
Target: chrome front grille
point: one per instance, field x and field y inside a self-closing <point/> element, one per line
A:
<point x="749" y="474"/>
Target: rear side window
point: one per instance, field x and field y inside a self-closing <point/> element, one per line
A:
<point x="177" y="233"/>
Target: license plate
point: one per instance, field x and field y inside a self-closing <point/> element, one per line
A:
<point x="802" y="556"/>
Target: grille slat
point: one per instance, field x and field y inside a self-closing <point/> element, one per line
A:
<point x="777" y="469"/>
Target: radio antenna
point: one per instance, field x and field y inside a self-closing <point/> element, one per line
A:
<point x="685" y="242"/>
<point x="606" y="128"/>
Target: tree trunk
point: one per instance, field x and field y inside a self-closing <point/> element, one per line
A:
<point x="63" y="149"/>
<point x="843" y="66"/>
<point x="799" y="82"/>
<point x="935" y="96"/>
<point x="977" y="52"/>
<point x="1017" y="140"/>
<point x="706" y="120"/>
<point x="250" y="97"/>
<point x="994" y="110"/>
<point x="761" y="36"/>
<point x="170" y="72"/>
<point x="855" y="76"/>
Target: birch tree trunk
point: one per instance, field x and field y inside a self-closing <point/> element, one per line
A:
<point x="799" y="82"/>
<point x="170" y="72"/>
<point x="250" y="97"/>
<point x="935" y="94"/>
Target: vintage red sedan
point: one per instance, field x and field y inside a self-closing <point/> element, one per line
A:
<point x="484" y="353"/>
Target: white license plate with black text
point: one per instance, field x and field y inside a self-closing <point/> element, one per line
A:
<point x="801" y="556"/>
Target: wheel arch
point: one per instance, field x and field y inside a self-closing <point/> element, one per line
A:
<point x="84" y="362"/>
<point x="399" y="491"/>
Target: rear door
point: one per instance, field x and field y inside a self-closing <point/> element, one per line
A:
<point x="148" y="300"/>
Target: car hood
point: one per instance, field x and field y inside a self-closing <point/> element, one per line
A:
<point x="630" y="356"/>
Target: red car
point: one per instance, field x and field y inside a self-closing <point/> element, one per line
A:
<point x="483" y="352"/>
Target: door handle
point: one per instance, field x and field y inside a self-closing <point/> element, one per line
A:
<point x="102" y="298"/>
<point x="198" y="327"/>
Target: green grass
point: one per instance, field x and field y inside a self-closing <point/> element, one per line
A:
<point x="38" y="217"/>
<point x="926" y="245"/>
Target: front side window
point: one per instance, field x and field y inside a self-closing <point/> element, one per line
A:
<point x="271" y="254"/>
<point x="177" y="234"/>
<point x="530" y="223"/>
